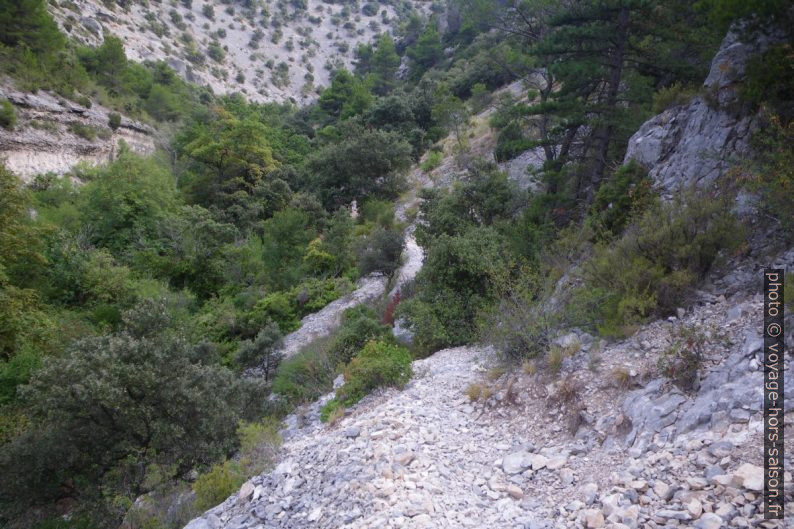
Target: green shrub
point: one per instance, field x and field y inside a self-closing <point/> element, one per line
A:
<point x="8" y="115"/>
<point x="359" y="326"/>
<point x="87" y="132"/>
<point x="380" y="252"/>
<point x="114" y="120"/>
<point x="330" y="409"/>
<point x="772" y="175"/>
<point x="262" y="351"/>
<point x="671" y="96"/>
<point x="432" y="160"/>
<point x="682" y="360"/>
<point x="623" y="196"/>
<point x="219" y="483"/>
<point x="305" y="376"/>
<point x="379" y="364"/>
<point x="287" y="307"/>
<point x="649" y="270"/>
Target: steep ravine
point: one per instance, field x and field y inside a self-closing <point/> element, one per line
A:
<point x="641" y="453"/>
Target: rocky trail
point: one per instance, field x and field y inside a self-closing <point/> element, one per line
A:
<point x="368" y="289"/>
<point x="640" y="453"/>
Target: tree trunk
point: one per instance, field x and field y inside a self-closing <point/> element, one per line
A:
<point x="603" y="133"/>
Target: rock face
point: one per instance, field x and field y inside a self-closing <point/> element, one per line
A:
<point x="44" y="139"/>
<point x="696" y="143"/>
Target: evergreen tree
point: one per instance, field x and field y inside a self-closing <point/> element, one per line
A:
<point x="385" y="62"/>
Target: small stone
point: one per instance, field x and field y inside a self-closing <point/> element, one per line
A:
<point x="674" y="515"/>
<point x="556" y="462"/>
<point x="708" y="521"/>
<point x="538" y="461"/>
<point x="315" y="515"/>
<point x="246" y="491"/>
<point x="720" y="449"/>
<point x="515" y="463"/>
<point x="680" y="313"/>
<point x="353" y="432"/>
<point x="403" y="458"/>
<point x="566" y="476"/>
<point x="697" y="483"/>
<point x="750" y="477"/>
<point x="589" y="493"/>
<point x="593" y="518"/>
<point x="515" y="492"/>
<point x="695" y="508"/>
<point x="663" y="490"/>
<point x="639" y="484"/>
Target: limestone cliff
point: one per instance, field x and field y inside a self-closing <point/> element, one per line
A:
<point x="53" y="134"/>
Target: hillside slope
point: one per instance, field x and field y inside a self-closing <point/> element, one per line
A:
<point x="606" y="442"/>
<point x="270" y="51"/>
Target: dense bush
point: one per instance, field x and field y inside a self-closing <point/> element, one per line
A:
<point x="650" y="269"/>
<point x="306" y="375"/>
<point x="682" y="360"/>
<point x="380" y="252"/>
<point x="366" y="164"/>
<point x="625" y="195"/>
<point x="378" y="364"/>
<point x="8" y="115"/>
<point x="115" y="405"/>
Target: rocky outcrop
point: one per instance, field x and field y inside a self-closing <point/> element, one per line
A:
<point x="46" y="137"/>
<point x="696" y="143"/>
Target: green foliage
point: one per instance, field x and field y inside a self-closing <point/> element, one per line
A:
<point x="670" y="96"/>
<point x="378" y="364"/>
<point x="114" y="404"/>
<point x="219" y="483"/>
<point x="304" y="376"/>
<point x="125" y="199"/>
<point x="380" y="252"/>
<point x="623" y="196"/>
<point x="682" y="360"/>
<point x="347" y="96"/>
<point x="8" y="115"/>
<point x="650" y="269"/>
<point x="454" y="286"/>
<point x="287" y="307"/>
<point x="432" y="161"/>
<point x="114" y="120"/>
<point x="769" y="81"/>
<point x="359" y="326"/>
<point x="425" y="52"/>
<point x="365" y="164"/>
<point x="262" y="351"/>
<point x="772" y="174"/>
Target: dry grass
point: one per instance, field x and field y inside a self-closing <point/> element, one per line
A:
<point x="554" y="359"/>
<point x="529" y="367"/>
<point x="621" y="378"/>
<point x="335" y="415"/>
<point x="568" y="390"/>
<point x="479" y="391"/>
<point x="495" y="373"/>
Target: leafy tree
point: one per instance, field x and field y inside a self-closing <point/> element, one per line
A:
<point x="380" y="252"/>
<point x="126" y="199"/>
<point x="262" y="351"/>
<point x="367" y="163"/>
<point x="116" y="405"/>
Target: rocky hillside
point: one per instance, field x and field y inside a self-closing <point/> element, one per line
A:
<point x="53" y="134"/>
<point x="269" y="51"/>
<point x="604" y="442"/>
